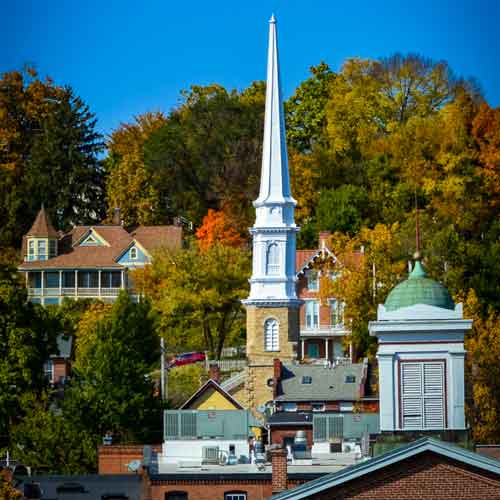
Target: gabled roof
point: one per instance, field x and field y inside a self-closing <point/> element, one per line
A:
<point x="211" y="384"/>
<point x="305" y="258"/>
<point x="399" y="454"/>
<point x="42" y="227"/>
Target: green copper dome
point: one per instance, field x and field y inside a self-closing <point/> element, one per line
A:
<point x="419" y="289"/>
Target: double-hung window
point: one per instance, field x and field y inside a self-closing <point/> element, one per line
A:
<point x="312" y="314"/>
<point x="235" y="495"/>
<point x="31" y="250"/>
<point x="422" y="392"/>
<point x="42" y="250"/>
<point x="336" y="312"/>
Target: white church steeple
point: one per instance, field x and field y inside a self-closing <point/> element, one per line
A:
<point x="274" y="232"/>
<point x="275" y="181"/>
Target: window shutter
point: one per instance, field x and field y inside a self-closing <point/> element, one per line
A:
<point x="411" y="395"/>
<point x="423" y="395"/>
<point x="433" y="395"/>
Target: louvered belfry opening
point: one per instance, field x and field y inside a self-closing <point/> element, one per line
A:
<point x="422" y="395"/>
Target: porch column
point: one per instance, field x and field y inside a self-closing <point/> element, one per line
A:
<point x="76" y="283"/>
<point x="122" y="284"/>
<point x="326" y="349"/>
<point x="99" y="281"/>
<point x="303" y="347"/>
<point x="350" y="350"/>
<point x="60" y="283"/>
<point x="26" y="277"/>
<point x="42" y="284"/>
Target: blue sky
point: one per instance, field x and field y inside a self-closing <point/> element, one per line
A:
<point x="127" y="57"/>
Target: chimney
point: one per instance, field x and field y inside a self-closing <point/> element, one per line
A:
<point x="116" y="219"/>
<point x="323" y="239"/>
<point x="279" y="469"/>
<point x="214" y="372"/>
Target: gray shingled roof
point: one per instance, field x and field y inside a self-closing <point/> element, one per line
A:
<point x="327" y="384"/>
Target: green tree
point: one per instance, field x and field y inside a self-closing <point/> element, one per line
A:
<point x="306" y="117"/>
<point x="207" y="155"/>
<point x="111" y="389"/>
<point x="27" y="338"/>
<point x="50" y="438"/>
<point x="342" y="209"/>
<point x="197" y="295"/>
<point x="49" y="152"/>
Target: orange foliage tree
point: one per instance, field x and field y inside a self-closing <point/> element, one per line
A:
<point x="216" y="228"/>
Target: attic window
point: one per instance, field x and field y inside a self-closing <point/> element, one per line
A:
<point x="306" y="379"/>
<point x="350" y="379"/>
<point x="133" y="253"/>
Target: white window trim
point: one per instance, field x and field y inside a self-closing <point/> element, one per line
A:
<point x="313" y="325"/>
<point x="273" y="259"/>
<point x="133" y="253"/>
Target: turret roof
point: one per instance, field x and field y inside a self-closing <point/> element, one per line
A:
<point x="42" y="227"/>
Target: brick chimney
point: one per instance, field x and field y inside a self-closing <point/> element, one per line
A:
<point x="116" y="219"/>
<point x="323" y="239"/>
<point x="214" y="372"/>
<point x="279" y="469"/>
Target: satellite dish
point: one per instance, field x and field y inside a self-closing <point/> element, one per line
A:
<point x="134" y="465"/>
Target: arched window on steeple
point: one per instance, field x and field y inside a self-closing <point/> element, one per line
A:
<point x="273" y="259"/>
<point x="271" y="335"/>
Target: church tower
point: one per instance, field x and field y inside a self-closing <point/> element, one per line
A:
<point x="272" y="306"/>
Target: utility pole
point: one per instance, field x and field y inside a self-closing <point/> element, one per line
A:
<point x="163" y="375"/>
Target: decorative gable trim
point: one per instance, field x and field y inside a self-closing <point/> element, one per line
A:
<point x="322" y="253"/>
<point x="214" y="385"/>
<point x="92" y="235"/>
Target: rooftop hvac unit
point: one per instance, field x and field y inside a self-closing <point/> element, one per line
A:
<point x="210" y="455"/>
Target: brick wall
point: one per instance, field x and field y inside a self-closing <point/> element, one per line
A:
<point x="424" y="477"/>
<point x="114" y="459"/>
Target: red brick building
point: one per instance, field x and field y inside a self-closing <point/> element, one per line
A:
<point x="425" y="469"/>
<point x="322" y="327"/>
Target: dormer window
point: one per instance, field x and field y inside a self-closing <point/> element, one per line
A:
<point x="273" y="259"/>
<point x="312" y="277"/>
<point x="133" y="253"/>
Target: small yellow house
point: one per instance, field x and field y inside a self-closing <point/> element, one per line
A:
<point x="211" y="396"/>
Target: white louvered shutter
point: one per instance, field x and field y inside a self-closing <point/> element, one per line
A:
<point x="411" y="395"/>
<point x="423" y="395"/>
<point x="434" y="395"/>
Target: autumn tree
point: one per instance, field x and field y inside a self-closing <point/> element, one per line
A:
<point x="216" y="229"/>
<point x="49" y="152"/>
<point x="208" y="153"/>
<point x="483" y="351"/>
<point x="197" y="295"/>
<point x="129" y="185"/>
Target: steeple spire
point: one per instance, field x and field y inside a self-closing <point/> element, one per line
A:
<point x="275" y="179"/>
